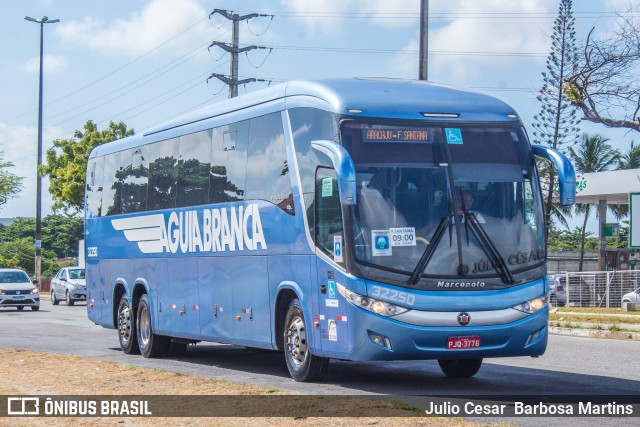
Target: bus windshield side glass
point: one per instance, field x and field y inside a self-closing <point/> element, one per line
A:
<point x="479" y="183"/>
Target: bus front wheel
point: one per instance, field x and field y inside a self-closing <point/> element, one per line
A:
<point x="303" y="366"/>
<point x="149" y="343"/>
<point x="127" y="328"/>
<point x="460" y="368"/>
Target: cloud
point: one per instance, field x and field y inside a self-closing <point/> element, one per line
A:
<point x="142" y="31"/>
<point x="327" y="16"/>
<point x="485" y="29"/>
<point x="52" y="64"/>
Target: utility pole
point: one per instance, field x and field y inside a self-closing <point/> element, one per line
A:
<point x="38" y="260"/>
<point x="234" y="49"/>
<point x="424" y="39"/>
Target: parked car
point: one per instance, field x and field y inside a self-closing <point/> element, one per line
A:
<point x="69" y="285"/>
<point x="557" y="290"/>
<point x="17" y="290"/>
<point x="632" y="297"/>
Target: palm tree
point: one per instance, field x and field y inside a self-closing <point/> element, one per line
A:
<point x="592" y="154"/>
<point x="630" y="159"/>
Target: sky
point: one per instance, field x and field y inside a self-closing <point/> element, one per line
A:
<point x="147" y="61"/>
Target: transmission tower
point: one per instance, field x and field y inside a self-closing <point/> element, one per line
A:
<point x="234" y="49"/>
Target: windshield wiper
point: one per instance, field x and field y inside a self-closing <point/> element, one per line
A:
<point x="430" y="250"/>
<point x="490" y="249"/>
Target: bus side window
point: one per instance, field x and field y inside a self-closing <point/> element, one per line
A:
<point x="267" y="169"/>
<point x="163" y="162"/>
<point x="112" y="189"/>
<point x="135" y="182"/>
<point x="94" y="187"/>
<point x="328" y="211"/>
<point x="228" y="174"/>
<point x="193" y="169"/>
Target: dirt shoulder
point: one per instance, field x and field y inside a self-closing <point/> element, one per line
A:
<point x="57" y="374"/>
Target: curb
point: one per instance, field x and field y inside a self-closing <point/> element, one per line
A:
<point x="592" y="333"/>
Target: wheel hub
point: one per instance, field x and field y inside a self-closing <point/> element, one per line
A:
<point x="297" y="341"/>
<point x="124" y="324"/>
<point x="144" y="326"/>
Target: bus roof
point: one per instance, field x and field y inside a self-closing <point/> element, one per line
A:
<point x="357" y="97"/>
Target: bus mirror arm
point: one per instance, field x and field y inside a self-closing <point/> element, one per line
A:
<point x="566" y="173"/>
<point x="344" y="167"/>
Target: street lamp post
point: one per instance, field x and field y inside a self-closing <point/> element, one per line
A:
<point x="38" y="266"/>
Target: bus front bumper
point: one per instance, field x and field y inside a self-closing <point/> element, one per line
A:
<point x="381" y="338"/>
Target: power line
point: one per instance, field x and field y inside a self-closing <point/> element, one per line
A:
<point x="104" y="77"/>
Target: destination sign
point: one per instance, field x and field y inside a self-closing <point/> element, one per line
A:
<point x="397" y="134"/>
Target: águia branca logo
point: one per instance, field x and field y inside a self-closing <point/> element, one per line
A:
<point x="193" y="231"/>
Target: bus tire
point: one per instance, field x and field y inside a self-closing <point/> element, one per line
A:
<point x="150" y="344"/>
<point x="127" y="328"/>
<point x="460" y="368"/>
<point x="303" y="366"/>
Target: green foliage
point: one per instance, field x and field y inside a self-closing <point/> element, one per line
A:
<point x="563" y="240"/>
<point x="20" y="253"/>
<point x="630" y="159"/>
<point x="9" y="183"/>
<point x="60" y="233"/>
<point x="66" y="163"/>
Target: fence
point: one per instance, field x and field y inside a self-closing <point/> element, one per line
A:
<point x="599" y="288"/>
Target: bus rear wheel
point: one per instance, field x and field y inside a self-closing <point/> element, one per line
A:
<point x="149" y="343"/>
<point x="127" y="328"/>
<point x="460" y="368"/>
<point x="303" y="366"/>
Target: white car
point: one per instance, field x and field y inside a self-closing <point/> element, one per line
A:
<point x="69" y="285"/>
<point x="17" y="290"/>
<point x="632" y="297"/>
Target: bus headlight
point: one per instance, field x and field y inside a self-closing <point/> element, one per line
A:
<point x="533" y="306"/>
<point x="382" y="308"/>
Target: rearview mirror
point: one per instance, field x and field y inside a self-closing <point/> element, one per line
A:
<point x="345" y="169"/>
<point x="566" y="173"/>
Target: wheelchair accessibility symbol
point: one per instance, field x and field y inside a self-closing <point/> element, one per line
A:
<point x="454" y="136"/>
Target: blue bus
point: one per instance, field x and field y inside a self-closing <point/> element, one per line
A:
<point x="355" y="219"/>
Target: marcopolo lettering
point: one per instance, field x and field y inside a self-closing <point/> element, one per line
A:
<point x="464" y="285"/>
<point x="209" y="230"/>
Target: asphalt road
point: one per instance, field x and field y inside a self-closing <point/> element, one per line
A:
<point x="571" y="365"/>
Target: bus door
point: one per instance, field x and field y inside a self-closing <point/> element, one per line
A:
<point x="329" y="238"/>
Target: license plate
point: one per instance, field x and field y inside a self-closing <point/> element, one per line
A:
<point x="18" y="297"/>
<point x="462" y="343"/>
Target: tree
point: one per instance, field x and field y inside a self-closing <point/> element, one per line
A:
<point x="593" y="154"/>
<point x="60" y="233"/>
<point x="20" y="253"/>
<point x="66" y="163"/>
<point x="9" y="183"/>
<point x="565" y="240"/>
<point x="606" y="86"/>
<point x="630" y="159"/>
<point x="556" y="125"/>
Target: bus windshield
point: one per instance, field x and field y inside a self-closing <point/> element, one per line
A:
<point x="445" y="203"/>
